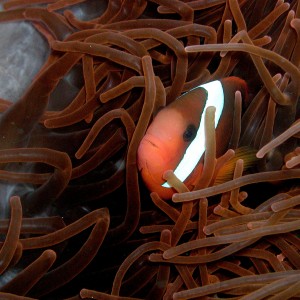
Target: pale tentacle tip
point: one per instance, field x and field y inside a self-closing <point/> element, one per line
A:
<point x="168" y="174"/>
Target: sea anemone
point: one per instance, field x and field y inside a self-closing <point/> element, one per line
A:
<point x="77" y="222"/>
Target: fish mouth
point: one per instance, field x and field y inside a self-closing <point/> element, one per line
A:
<point x="151" y="143"/>
<point x="160" y="150"/>
<point x="154" y="141"/>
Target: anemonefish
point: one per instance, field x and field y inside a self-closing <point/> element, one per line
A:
<point x="175" y="138"/>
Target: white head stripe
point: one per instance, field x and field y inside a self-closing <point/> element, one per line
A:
<point x="193" y="154"/>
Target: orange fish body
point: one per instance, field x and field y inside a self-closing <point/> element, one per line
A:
<point x="175" y="138"/>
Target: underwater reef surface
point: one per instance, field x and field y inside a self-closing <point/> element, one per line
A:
<point x="22" y="53"/>
<point x="80" y="83"/>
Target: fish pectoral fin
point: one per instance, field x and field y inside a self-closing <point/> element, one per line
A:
<point x="247" y="154"/>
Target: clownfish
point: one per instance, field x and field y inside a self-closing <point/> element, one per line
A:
<point x="175" y="138"/>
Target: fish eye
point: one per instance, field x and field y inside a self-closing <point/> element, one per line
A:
<point x="190" y="133"/>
